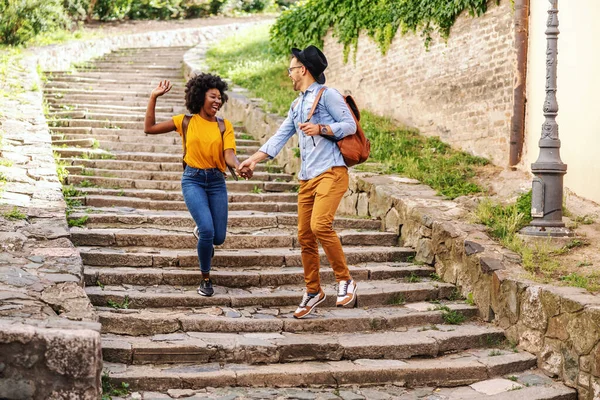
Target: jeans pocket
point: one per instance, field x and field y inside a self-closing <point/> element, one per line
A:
<point x="190" y="172"/>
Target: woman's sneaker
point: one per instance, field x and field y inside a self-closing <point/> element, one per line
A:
<point x="196" y="234"/>
<point x="206" y="288"/>
<point x="346" y="293"/>
<point x="308" y="304"/>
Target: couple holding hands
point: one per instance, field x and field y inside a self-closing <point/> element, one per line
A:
<point x="209" y="148"/>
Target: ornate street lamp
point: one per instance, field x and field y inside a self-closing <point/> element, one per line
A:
<point x="549" y="170"/>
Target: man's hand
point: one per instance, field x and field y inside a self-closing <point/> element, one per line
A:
<point x="310" y="129"/>
<point x="162" y="88"/>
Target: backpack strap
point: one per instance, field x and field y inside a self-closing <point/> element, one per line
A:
<point x="184" y="127"/>
<point x="221" y="123"/>
<point x="316" y="103"/>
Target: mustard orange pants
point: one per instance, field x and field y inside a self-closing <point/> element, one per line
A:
<point x="318" y="200"/>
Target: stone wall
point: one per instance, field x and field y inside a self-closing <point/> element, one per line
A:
<point x="460" y="90"/>
<point x="560" y="325"/>
<point x="49" y="334"/>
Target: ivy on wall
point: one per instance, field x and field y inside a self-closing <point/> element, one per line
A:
<point x="308" y="21"/>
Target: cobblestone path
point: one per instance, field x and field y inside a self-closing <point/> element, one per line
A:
<point x="166" y="341"/>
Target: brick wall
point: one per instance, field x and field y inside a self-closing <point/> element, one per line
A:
<point x="461" y="91"/>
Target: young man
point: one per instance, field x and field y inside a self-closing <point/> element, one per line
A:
<point x="323" y="174"/>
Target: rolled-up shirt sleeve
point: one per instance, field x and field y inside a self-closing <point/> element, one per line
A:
<point x="339" y="111"/>
<point x="276" y="142"/>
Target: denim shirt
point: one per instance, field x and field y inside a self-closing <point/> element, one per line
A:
<point x="318" y="154"/>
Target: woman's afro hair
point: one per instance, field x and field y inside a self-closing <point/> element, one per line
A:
<point x="196" y="88"/>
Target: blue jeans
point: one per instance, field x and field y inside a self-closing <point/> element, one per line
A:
<point x="205" y="195"/>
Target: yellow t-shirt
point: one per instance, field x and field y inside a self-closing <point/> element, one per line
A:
<point x="204" y="144"/>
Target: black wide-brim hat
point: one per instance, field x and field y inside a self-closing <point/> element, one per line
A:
<point x="314" y="60"/>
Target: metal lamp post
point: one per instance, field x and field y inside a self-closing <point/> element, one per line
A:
<point x="549" y="170"/>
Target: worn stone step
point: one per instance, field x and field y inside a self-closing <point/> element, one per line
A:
<point x="275" y="347"/>
<point x="463" y="368"/>
<point x="156" y="139"/>
<point x="135" y="134"/>
<point x="528" y="385"/>
<point x="243" y="219"/>
<point x="270" y="257"/>
<point x="371" y="293"/>
<point x="147" y="166"/>
<point x="104" y="91"/>
<point x="163" y="175"/>
<point x="160" y="148"/>
<point x="148" y="204"/>
<point x="124" y="183"/>
<point x="173" y="238"/>
<point x="111" y="107"/>
<point x="247" y="277"/>
<point x="234" y="196"/>
<point x="153" y="321"/>
<point x="75" y="142"/>
<point x="124" y="76"/>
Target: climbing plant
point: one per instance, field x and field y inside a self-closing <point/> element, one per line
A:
<point x="308" y="21"/>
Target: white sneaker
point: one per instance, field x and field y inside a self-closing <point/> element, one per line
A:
<point x="308" y="304"/>
<point x="196" y="234"/>
<point x="346" y="293"/>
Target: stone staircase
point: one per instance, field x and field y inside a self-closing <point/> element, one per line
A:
<point x="409" y="336"/>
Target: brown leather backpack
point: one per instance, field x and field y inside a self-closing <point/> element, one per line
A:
<point x="354" y="148"/>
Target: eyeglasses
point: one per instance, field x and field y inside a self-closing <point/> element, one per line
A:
<point x="291" y="68"/>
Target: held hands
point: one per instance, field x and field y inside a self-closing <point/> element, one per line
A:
<point x="162" y="88"/>
<point x="246" y="168"/>
<point x="310" y="129"/>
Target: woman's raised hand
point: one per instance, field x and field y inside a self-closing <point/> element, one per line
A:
<point x="162" y="88"/>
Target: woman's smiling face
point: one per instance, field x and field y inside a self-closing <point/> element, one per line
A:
<point x="212" y="102"/>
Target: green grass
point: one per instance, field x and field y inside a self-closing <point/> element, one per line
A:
<point x="450" y="316"/>
<point x="78" y="221"/>
<point x="61" y="168"/>
<point x="256" y="190"/>
<point x="538" y="258"/>
<point x="14" y="214"/>
<point x="108" y="390"/>
<point x="245" y="136"/>
<point x="413" y="278"/>
<point x="123" y="305"/>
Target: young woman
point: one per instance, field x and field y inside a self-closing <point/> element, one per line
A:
<point x="207" y="154"/>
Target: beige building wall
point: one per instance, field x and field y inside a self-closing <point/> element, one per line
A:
<point x="578" y="90"/>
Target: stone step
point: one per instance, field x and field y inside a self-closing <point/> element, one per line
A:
<point x="154" y="157"/>
<point x="125" y="183"/>
<point x="158" y="148"/>
<point x="124" y="76"/>
<point x="162" y="195"/>
<point x="111" y="107"/>
<point x="176" y="239"/>
<point x="270" y="257"/>
<point x="62" y="100"/>
<point x="68" y="101"/>
<point x="246" y="277"/>
<point x="276" y="347"/>
<point x="370" y="293"/>
<point x="101" y="90"/>
<point x="132" y="202"/>
<point x="111" y="216"/>
<point x="162" y="175"/>
<point x="148" y="322"/>
<point x="462" y="368"/>
<point x="528" y="385"/>
<point x="105" y="84"/>
<point x="162" y="139"/>
<point x="75" y="142"/>
<point x="137" y="133"/>
<point x="147" y="166"/>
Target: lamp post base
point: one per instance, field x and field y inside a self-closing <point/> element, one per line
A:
<point x="548" y="231"/>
